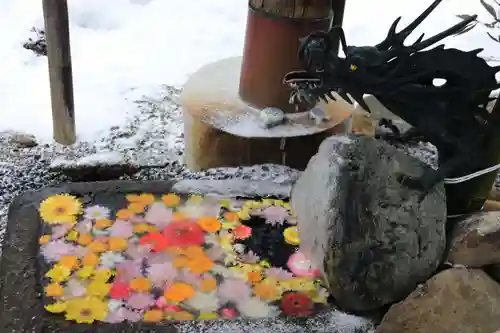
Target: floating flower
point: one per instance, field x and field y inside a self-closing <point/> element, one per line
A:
<point x="208" y="284"/>
<point x="60" y="209"/>
<point x="138" y="251"/>
<point x="267" y="291"/>
<point x="234" y="290"/>
<point x="96" y="212"/>
<point x="297" y="304"/>
<point x="209" y="224"/>
<point x="86" y="310"/>
<point x="256" y="308"/>
<point x="159" y="215"/>
<point x="182" y="316"/>
<point x="122" y="314"/>
<point x="299" y="284"/>
<point x="140" y="284"/>
<point x="143" y="228"/>
<point x="278" y="273"/>
<point x="244" y="214"/>
<point x="45" y="239"/>
<point x="69" y="261"/>
<point x="157" y="241"/>
<point x="140" y="301"/>
<point x="84" y="239"/>
<point x="301" y="266"/>
<point x="195" y="211"/>
<point x="124" y="214"/>
<point x="171" y="200"/>
<point x="115" y="304"/>
<point x="75" y="288"/>
<point x="58" y="273"/>
<point x="54" y="290"/>
<point x="117" y="243"/>
<point x="102" y="274"/>
<point x="204" y="302"/>
<point x="102" y="224"/>
<point x="111" y="259"/>
<point x="136" y="207"/>
<point x="215" y="253"/>
<point x="183" y="234"/>
<point x="161" y="273"/>
<point x="231" y="217"/>
<point x="143" y="198"/>
<point x="228" y="313"/>
<point x="291" y="235"/>
<point x="59" y="231"/>
<point x="320" y="295"/>
<point x="153" y="316"/>
<point x="84" y="227"/>
<point x="72" y="235"/>
<point x="120" y="290"/>
<point x="179" y="292"/>
<point x="98" y="289"/>
<point x="81" y="251"/>
<point x="121" y="229"/>
<point x="55" y="250"/>
<point x="242" y="232"/>
<point x="85" y="272"/>
<point x="57" y="307"/>
<point x="200" y="265"/>
<point x="275" y="215"/>
<point x="250" y="257"/>
<point x="91" y="259"/>
<point x="128" y="270"/>
<point x="97" y="246"/>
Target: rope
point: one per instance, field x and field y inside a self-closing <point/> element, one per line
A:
<point x="472" y="175"/>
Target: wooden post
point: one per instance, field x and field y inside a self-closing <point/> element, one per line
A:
<point x="55" y="14"/>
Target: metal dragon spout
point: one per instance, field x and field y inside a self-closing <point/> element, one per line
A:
<point x="452" y="116"/>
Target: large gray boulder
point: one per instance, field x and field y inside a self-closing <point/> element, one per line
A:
<point x="374" y="239"/>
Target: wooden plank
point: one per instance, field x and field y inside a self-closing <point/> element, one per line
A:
<point x="60" y="70"/>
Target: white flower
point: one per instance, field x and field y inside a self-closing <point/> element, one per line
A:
<point x="114" y="304"/>
<point x="239" y="248"/>
<point x="96" y="212"/>
<point x="110" y="259"/>
<point x="204" y="302"/>
<point x="255" y="308"/>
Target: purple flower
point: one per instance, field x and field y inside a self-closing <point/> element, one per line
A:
<point x="275" y="215"/>
<point x="161" y="273"/>
<point x="234" y="290"/>
<point x="121" y="229"/>
<point x="159" y="215"/>
<point x="55" y="250"/>
<point x="140" y="301"/>
<point x="128" y="270"/>
<point x="279" y="273"/>
<point x="122" y="314"/>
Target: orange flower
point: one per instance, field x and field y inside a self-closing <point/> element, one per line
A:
<point x="143" y="228"/>
<point x="124" y="214"/>
<point x="153" y="316"/>
<point x="208" y="285"/>
<point x="194" y="258"/>
<point x="171" y="199"/>
<point x="200" y="265"/>
<point x="117" y="244"/>
<point x="69" y="261"/>
<point x="193" y="252"/>
<point x="132" y="197"/>
<point x="54" y="290"/>
<point x="97" y="247"/>
<point x="178" y="217"/>
<point x="140" y="284"/>
<point x="84" y="239"/>
<point x="254" y="276"/>
<point x="44" y="239"/>
<point x="181" y="262"/>
<point x="209" y="224"/>
<point x="136" y="207"/>
<point x="267" y="291"/>
<point x="179" y="292"/>
<point x="182" y="315"/>
<point x="231" y="217"/>
<point x="102" y="223"/>
<point x="90" y="259"/>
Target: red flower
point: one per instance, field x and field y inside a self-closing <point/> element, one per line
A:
<point x="157" y="241"/>
<point x="183" y="234"/>
<point x="119" y="290"/>
<point x="242" y="232"/>
<point x="297" y="304"/>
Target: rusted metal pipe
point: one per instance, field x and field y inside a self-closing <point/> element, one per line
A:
<point x="271" y="44"/>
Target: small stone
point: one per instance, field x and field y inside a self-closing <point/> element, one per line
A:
<point x="475" y="240"/>
<point x="455" y="300"/>
<point x="374" y="239"/>
<point x="23" y="140"/>
<point x="272" y="117"/>
<point x="318" y="115"/>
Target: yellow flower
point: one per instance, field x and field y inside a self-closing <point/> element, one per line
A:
<point x="299" y="284"/>
<point x="267" y="291"/>
<point x="208" y="316"/>
<point x="153" y="316"/>
<point x="195" y="199"/>
<point x="60" y="208"/>
<point x="117" y="244"/>
<point x="86" y="310"/>
<point x="44" y="239"/>
<point x="182" y="315"/>
<point x="85" y="272"/>
<point x="225" y="203"/>
<point x="171" y="199"/>
<point x="72" y="236"/>
<point x="57" y="307"/>
<point x="102" y="274"/>
<point x="58" y="273"/>
<point x="265" y="264"/>
<point x="54" y="290"/>
<point x="291" y="235"/>
<point x="136" y="207"/>
<point x="320" y="295"/>
<point x="98" y="289"/>
<point x="267" y="202"/>
<point x="144" y="228"/>
<point x="244" y="214"/>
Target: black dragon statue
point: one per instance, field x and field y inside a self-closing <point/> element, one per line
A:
<point x="452" y="116"/>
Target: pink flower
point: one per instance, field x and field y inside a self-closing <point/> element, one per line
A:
<point x="278" y="273"/>
<point x="81" y="251"/>
<point x="161" y="273"/>
<point x="128" y="270"/>
<point x="61" y="230"/>
<point x="215" y="252"/>
<point x="55" y="250"/>
<point x="301" y="266"/>
<point x="159" y="215"/>
<point x="137" y="252"/>
<point x="275" y="215"/>
<point x="121" y="229"/>
<point x="140" y="301"/>
<point x="122" y="314"/>
<point x="84" y="227"/>
<point x="159" y="258"/>
<point x="250" y="257"/>
<point x="75" y="289"/>
<point x="190" y="278"/>
<point x="234" y="290"/>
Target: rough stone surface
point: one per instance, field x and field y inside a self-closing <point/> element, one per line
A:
<point x="475" y="241"/>
<point x="453" y="301"/>
<point x="373" y="237"/>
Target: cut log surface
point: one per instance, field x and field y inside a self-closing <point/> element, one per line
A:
<point x="294" y="8"/>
